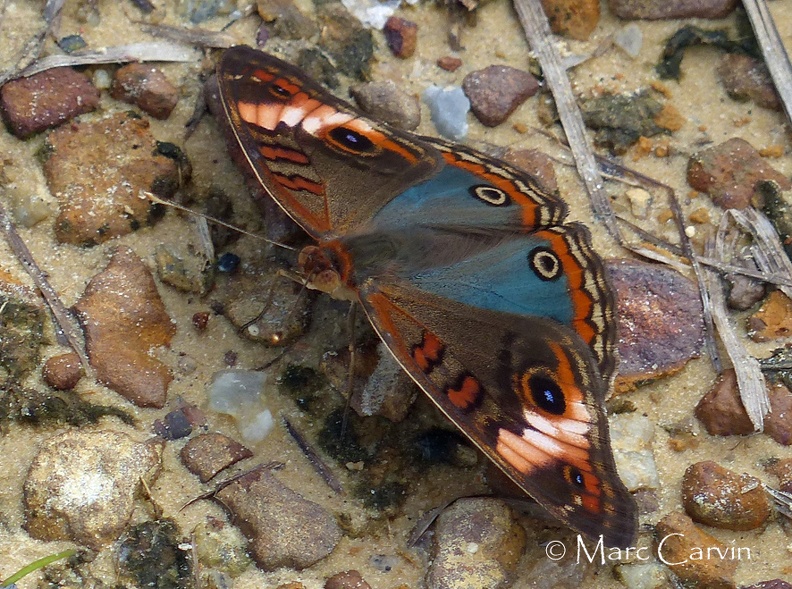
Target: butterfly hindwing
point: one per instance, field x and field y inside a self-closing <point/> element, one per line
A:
<point x="525" y="390"/>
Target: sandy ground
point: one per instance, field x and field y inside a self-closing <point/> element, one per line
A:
<point x="711" y="117"/>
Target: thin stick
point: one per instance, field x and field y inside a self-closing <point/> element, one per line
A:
<point x="65" y="328"/>
<point x="313" y="457"/>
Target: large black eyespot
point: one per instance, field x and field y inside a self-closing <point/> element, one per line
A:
<point x="351" y="140"/>
<point x="545" y="263"/>
<point x="490" y="195"/>
<point x="547" y="394"/>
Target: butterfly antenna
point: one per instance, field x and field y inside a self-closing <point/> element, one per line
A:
<point x="155" y="199"/>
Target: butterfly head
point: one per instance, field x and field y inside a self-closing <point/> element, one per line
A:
<point x="324" y="272"/>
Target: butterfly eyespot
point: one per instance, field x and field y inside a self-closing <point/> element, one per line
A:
<point x="279" y="91"/>
<point x="545" y="263"/>
<point x="490" y="195"/>
<point x="574" y="476"/>
<point x="350" y="140"/>
<point x="545" y="393"/>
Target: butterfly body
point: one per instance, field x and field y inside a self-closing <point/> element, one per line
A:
<point x="496" y="308"/>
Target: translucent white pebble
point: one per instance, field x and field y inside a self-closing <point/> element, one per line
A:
<point x="236" y="392"/>
<point x="449" y="107"/>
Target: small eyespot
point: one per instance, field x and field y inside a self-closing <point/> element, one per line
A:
<point x="351" y="140"/>
<point x="490" y="195"/>
<point x="279" y="91"/>
<point x="574" y="476"/>
<point x="545" y="263"/>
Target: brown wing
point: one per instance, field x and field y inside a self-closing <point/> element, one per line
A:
<point x="326" y="164"/>
<point x="525" y="390"/>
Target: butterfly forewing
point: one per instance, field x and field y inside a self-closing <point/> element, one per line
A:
<point x="328" y="166"/>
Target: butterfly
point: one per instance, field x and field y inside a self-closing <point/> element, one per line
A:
<point x="497" y="309"/>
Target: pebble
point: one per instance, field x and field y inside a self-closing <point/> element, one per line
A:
<point x="716" y="496"/>
<point x="477" y="543"/>
<point x="642" y="575"/>
<point x="28" y="207"/>
<point x="449" y="63"/>
<point x="640" y="202"/>
<point x="672" y="9"/>
<point x="778" y="422"/>
<point x="347" y="580"/>
<point x="388" y="392"/>
<point x="782" y="470"/>
<point x="773" y="320"/>
<point x="632" y="435"/>
<point x="45" y="100"/>
<point x="238" y="393"/>
<point x="187" y="271"/>
<point x="284" y="20"/>
<point x="660" y="324"/>
<point x="152" y="555"/>
<point x="386" y="102"/>
<point x="179" y="423"/>
<point x="572" y="18"/>
<point x="200" y="10"/>
<point x="747" y="78"/>
<point x="536" y="164"/>
<point x="283" y="529"/>
<point x="448" y="108"/>
<point x="349" y="44"/>
<point x="200" y="320"/>
<point x="278" y="324"/>
<point x="729" y="173"/>
<point x="772" y="584"/>
<point x="82" y="486"/>
<point x="21" y="330"/>
<point x="721" y="410"/>
<point x="62" y="372"/>
<point x="122" y="156"/>
<point x="206" y="455"/>
<point x="620" y="120"/>
<point x="496" y="91"/>
<point x="221" y="546"/>
<point x="401" y="35"/>
<point x="146" y="87"/>
<point x="692" y="555"/>
<point x="744" y="292"/>
<point x="629" y="39"/>
<point x="123" y="318"/>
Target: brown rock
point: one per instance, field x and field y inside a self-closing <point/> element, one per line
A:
<point x="535" y="163"/>
<point x="718" y="497"/>
<point x="773" y="320"/>
<point x="729" y="173"/>
<point x="747" y="78"/>
<point x="772" y="584"/>
<point x="347" y="580"/>
<point x="62" y="372"/>
<point x="146" y="87"/>
<point x="283" y="528"/>
<point x="123" y="318"/>
<point x="386" y="102"/>
<point x="490" y="526"/>
<point x="285" y="20"/>
<point x="693" y="555"/>
<point x="671" y="9"/>
<point x="496" y="91"/>
<point x="82" y="486"/>
<point x="659" y="323"/>
<point x="573" y="18"/>
<point x="721" y="410"/>
<point x="778" y="422"/>
<point x="207" y="454"/>
<point x="120" y="153"/>
<point x="401" y="36"/>
<point x="449" y="63"/>
<point x="47" y="99"/>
